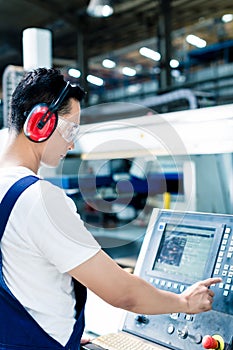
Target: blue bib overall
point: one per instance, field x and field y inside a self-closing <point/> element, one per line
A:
<point x="18" y="330"/>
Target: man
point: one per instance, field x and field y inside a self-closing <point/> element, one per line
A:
<point x="45" y="246"/>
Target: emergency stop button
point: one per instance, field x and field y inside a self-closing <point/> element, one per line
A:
<point x="209" y="342"/>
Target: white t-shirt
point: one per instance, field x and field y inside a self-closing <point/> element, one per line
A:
<point x="44" y="238"/>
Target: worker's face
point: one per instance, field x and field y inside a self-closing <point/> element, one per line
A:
<point x="63" y="137"/>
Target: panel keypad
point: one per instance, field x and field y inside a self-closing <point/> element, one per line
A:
<point x="224" y="264"/>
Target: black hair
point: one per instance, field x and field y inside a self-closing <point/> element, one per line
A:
<point x="41" y="85"/>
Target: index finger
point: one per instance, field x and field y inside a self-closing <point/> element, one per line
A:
<point x="209" y="281"/>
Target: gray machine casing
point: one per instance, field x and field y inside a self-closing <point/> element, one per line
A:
<point x="214" y="255"/>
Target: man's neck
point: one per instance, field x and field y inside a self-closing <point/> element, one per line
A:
<point x="20" y="152"/>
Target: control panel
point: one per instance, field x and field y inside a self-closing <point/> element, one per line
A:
<point x="179" y="249"/>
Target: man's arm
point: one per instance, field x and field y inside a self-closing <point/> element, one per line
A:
<point x="121" y="289"/>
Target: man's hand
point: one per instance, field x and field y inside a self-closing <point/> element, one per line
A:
<point x="84" y="340"/>
<point x="199" y="297"/>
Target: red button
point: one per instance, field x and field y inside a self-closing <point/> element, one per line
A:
<point x="209" y="342"/>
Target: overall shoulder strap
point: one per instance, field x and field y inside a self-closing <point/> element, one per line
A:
<point x="11" y="197"/>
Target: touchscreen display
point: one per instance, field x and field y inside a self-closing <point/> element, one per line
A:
<point x="183" y="252"/>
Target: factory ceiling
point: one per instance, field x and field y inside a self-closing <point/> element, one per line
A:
<point x="133" y="22"/>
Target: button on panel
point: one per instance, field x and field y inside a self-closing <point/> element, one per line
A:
<point x="175" y="315"/>
<point x="170" y="329"/>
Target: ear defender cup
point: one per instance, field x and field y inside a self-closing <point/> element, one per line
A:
<point x="42" y="120"/>
<point x="40" y="123"/>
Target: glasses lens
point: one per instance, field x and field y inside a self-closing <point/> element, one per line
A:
<point x="68" y="130"/>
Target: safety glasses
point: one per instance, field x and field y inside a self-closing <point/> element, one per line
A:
<point x="68" y="130"/>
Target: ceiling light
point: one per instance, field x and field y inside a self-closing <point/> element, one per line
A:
<point x="174" y="63"/>
<point x="154" y="55"/>
<point x="196" y="41"/>
<point x="75" y="73"/>
<point x="95" y="80"/>
<point x="100" y="8"/>
<point x="108" y="63"/>
<point x="175" y="73"/>
<point x="228" y="17"/>
<point x="129" y="71"/>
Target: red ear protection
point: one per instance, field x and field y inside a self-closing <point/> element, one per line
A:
<point x="31" y="126"/>
<point x="42" y="120"/>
